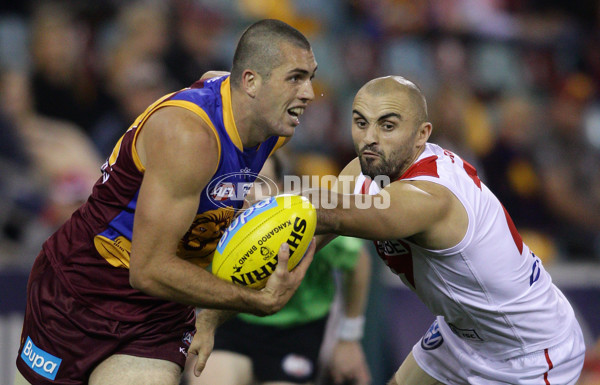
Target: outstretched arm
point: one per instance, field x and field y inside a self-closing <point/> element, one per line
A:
<point x="426" y="211"/>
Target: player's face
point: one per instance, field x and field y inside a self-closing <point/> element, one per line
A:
<point x="385" y="133"/>
<point x="284" y="95"/>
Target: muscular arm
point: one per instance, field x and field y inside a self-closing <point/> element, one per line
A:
<point x="180" y="155"/>
<point x="344" y="184"/>
<point x="426" y="211"/>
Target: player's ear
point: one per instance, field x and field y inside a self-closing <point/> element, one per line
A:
<point x="250" y="82"/>
<point x="423" y="133"/>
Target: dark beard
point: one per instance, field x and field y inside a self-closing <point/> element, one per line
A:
<point x="392" y="166"/>
<point x="384" y="168"/>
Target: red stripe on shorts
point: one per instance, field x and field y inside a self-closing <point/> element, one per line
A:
<point x="550" y="366"/>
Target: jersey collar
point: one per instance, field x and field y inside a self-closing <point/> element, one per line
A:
<point x="228" y="120"/>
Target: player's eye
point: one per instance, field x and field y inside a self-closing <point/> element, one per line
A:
<point x="388" y="126"/>
<point x="360" y="123"/>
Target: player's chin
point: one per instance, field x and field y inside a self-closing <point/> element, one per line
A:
<point x="287" y="130"/>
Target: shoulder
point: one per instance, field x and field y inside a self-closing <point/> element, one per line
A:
<point x="177" y="128"/>
<point x="347" y="177"/>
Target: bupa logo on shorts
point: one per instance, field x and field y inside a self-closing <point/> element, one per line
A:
<point x="433" y="338"/>
<point x="43" y="363"/>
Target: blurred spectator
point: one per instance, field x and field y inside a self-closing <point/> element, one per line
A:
<point x="63" y="159"/>
<point x="570" y="171"/>
<point x="134" y="85"/>
<point x="14" y="53"/>
<point x="449" y="113"/>
<point x="139" y="30"/>
<point x="510" y="171"/>
<point x="64" y="85"/>
<point x="21" y="192"/>
<point x="360" y="60"/>
<point x="195" y="43"/>
<point x="481" y="17"/>
<point x="285" y="10"/>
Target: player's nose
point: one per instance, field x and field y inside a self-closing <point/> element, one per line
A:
<point x="371" y="136"/>
<point x="307" y="93"/>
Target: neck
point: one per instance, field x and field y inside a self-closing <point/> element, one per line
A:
<point x="243" y="115"/>
<point x="412" y="161"/>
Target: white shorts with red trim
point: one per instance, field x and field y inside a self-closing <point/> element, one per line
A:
<point x="448" y="359"/>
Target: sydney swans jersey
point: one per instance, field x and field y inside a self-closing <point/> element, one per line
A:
<point x="491" y="289"/>
<point x="91" y="251"/>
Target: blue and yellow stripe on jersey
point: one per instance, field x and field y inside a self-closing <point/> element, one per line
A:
<point x="223" y="195"/>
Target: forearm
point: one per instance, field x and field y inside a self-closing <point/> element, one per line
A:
<point x="329" y="216"/>
<point x="344" y="214"/>
<point x="356" y="286"/>
<point x="180" y="281"/>
<point x="348" y="361"/>
<point x="356" y="289"/>
<point x="213" y="318"/>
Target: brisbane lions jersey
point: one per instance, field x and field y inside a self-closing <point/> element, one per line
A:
<point x="491" y="289"/>
<point x="91" y="251"/>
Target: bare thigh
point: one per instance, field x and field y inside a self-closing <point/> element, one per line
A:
<point x="223" y="368"/>
<point x="122" y="369"/>
<point x="411" y="374"/>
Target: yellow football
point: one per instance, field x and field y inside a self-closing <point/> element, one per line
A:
<point x="247" y="251"/>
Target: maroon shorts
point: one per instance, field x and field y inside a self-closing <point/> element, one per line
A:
<point x="62" y="341"/>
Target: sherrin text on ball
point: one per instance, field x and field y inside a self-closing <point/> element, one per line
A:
<point x="247" y="252"/>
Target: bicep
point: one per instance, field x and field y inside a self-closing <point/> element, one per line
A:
<point x="180" y="156"/>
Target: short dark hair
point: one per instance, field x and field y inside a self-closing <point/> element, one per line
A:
<point x="258" y="48"/>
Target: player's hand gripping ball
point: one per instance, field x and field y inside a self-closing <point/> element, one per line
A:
<point x="247" y="251"/>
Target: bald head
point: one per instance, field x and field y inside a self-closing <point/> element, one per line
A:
<point x="259" y="48"/>
<point x="389" y="85"/>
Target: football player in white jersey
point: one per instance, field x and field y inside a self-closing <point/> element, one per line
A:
<point x="500" y="320"/>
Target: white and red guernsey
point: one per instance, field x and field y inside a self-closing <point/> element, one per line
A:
<point x="490" y="288"/>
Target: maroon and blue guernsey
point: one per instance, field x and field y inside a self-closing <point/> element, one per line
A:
<point x="91" y="251"/>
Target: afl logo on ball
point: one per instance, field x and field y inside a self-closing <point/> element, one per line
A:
<point x="433" y="338"/>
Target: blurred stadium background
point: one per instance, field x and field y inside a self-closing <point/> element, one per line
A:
<point x="513" y="86"/>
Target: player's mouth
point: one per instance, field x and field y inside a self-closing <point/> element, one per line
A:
<point x="370" y="154"/>
<point x="294" y="113"/>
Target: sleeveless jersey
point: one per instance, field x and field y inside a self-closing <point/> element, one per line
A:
<point x="491" y="289"/>
<point x="91" y="251"/>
